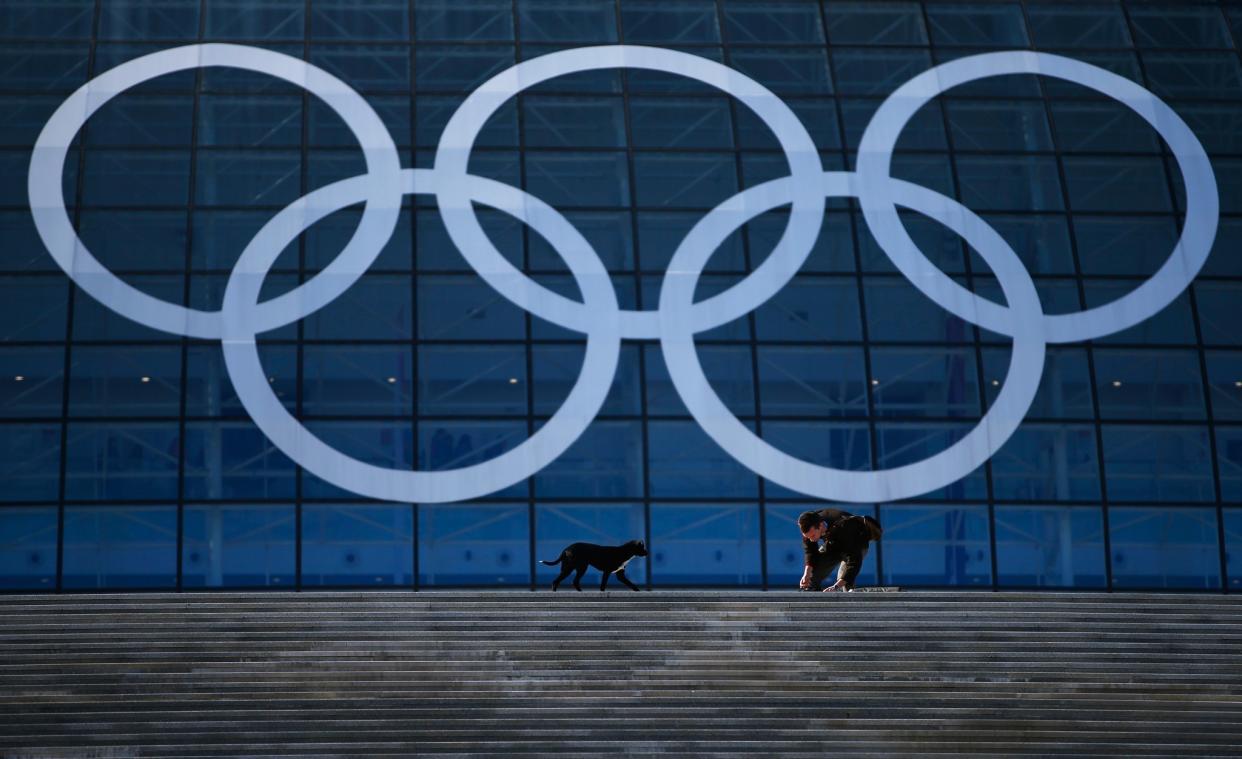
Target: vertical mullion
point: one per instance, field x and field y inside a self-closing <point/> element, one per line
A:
<point x="1205" y="386"/>
<point x="861" y="290"/>
<point x="964" y="247"/>
<point x="1089" y="347"/>
<point x="300" y="372"/>
<point x="644" y="419"/>
<point x="185" y="299"/>
<point x="415" y="376"/>
<point x="67" y="366"/>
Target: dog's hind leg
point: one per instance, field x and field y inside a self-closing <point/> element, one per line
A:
<point x="621" y="576"/>
<point x="578" y="578"/>
<point x="603" y="581"/>
<point x="565" y="570"/>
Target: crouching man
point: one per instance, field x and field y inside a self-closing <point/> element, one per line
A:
<point x="831" y="537"/>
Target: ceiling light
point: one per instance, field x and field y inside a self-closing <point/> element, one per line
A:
<point x="20" y="378"/>
<point x="146" y="379"/>
<point x="392" y="380"/>
<point x="1116" y="383"/>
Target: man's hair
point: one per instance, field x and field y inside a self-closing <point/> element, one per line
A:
<point x="807" y="520"/>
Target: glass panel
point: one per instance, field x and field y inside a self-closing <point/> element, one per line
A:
<point x="148" y="19"/>
<point x="1217" y="303"/>
<point x="936" y="545"/>
<point x="242" y="19"/>
<point x="684" y="462"/>
<point x="604" y="462"/>
<point x="994" y="25"/>
<point x="1104" y="126"/>
<point x="94" y="321"/>
<point x="1117" y="184"/>
<point x="1164" y="548"/>
<point x="43" y="66"/>
<point x="33" y="382"/>
<point x="464" y="308"/>
<point x="574" y="122"/>
<point x="924" y="131"/>
<point x="797" y="381"/>
<point x="24" y="250"/>
<point x="1225" y="384"/>
<point x="1173" y="324"/>
<point x="899" y="444"/>
<point x="1193" y="75"/>
<point x="661" y="232"/>
<point x="833" y="250"/>
<point x="727" y="368"/>
<point x="697" y="123"/>
<point x="150" y="240"/>
<point x="122" y="461"/>
<point x="120" y="547"/>
<point x="784" y="545"/>
<point x="125" y="381"/>
<point x="1233" y="546"/>
<point x="1217" y="125"/>
<point x="209" y="392"/>
<point x="347" y="20"/>
<point x="567" y="20"/>
<point x="376" y="307"/>
<point x="1172" y="25"/>
<point x="467" y="20"/>
<point x="1019" y="125"/>
<point x="705" y="545"/>
<point x="116" y="177"/>
<point x="357" y="380"/>
<point x="876" y="72"/>
<point x="874" y="23"/>
<point x="1078" y="25"/>
<point x="1042" y="242"/>
<point x="610" y="234"/>
<point x="684" y="180"/>
<point x="1016" y="183"/>
<point x="247" y="178"/>
<point x="1047" y="462"/>
<point x="249" y="121"/>
<point x="487" y="380"/>
<point x="357" y="544"/>
<point x="369" y="67"/>
<point x="773" y="23"/>
<point x="1229" y="459"/>
<point x="435" y="251"/>
<point x="454" y="444"/>
<point x="933" y="383"/>
<point x="1064" y="388"/>
<point x="669" y="21"/>
<point x="327" y="238"/>
<point x="62" y="19"/>
<point x="835" y="445"/>
<point x="144" y="121"/>
<point x="1168" y="464"/>
<point x="1050" y="546"/>
<point x="28" y="548"/>
<point x="1129" y="245"/>
<point x="555" y="369"/>
<point x="226" y="460"/>
<point x="786" y="72"/>
<point x="811" y="308"/>
<point x="239" y="546"/>
<point x="475" y="544"/>
<point x="579" y="179"/>
<point x="936" y="242"/>
<point x="385" y="444"/>
<point x="30" y="462"/>
<point x="1142" y="385"/>
<point x="458" y="69"/>
<point x="898" y="312"/>
<point x="609" y="524"/>
<point x="432" y="113"/>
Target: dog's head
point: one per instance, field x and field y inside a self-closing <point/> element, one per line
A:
<point x="637" y="548"/>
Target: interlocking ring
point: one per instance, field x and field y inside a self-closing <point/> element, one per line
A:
<point x="678" y="317"/>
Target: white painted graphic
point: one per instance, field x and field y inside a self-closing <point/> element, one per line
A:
<point x="678" y="318"/>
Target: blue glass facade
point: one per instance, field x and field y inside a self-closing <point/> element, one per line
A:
<point x="128" y="460"/>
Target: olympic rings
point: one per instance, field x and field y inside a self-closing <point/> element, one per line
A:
<point x="678" y="318"/>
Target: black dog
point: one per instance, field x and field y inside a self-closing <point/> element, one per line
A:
<point x="607" y="559"/>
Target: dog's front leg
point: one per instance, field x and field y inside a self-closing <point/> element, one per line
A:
<point x="603" y="583"/>
<point x="578" y="579"/>
<point x="621" y="576"/>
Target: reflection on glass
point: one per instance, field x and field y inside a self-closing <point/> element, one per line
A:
<point x="1050" y="546"/>
<point x="1164" y="548"/>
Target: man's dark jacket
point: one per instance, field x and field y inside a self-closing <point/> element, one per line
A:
<point x="846" y="539"/>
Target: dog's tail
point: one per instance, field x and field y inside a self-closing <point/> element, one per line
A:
<point x="552" y="563"/>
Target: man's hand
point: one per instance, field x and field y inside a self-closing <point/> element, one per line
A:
<point x="838" y="585"/>
<point x="805" y="582"/>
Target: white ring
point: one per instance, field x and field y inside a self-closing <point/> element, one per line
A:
<point x="241" y="357"/>
<point x="47" y="203"/>
<point x="457" y="140"/>
<point x="950" y="465"/>
<point x="875" y="153"/>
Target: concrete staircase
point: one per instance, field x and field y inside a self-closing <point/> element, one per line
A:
<point x="674" y="673"/>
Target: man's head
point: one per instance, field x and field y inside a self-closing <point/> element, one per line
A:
<point x="811" y="525"/>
